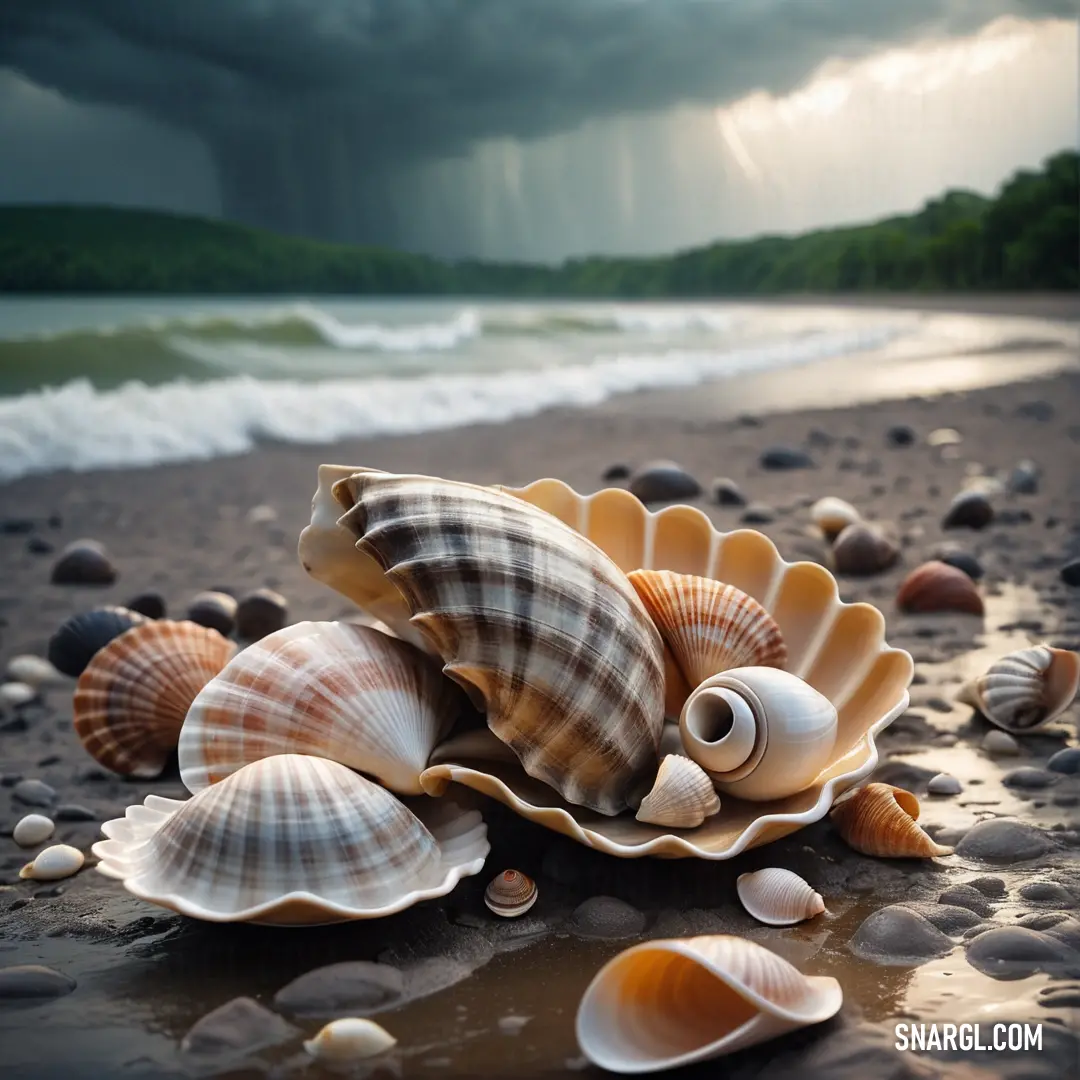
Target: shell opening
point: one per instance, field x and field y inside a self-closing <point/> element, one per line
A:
<point x="719" y="729"/>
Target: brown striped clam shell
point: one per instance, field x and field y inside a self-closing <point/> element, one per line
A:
<point x="510" y="894"/>
<point x="937" y="586"/>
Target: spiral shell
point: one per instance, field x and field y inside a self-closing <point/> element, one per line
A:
<point x="880" y="820"/>
<point x="707" y="627"/>
<point x="667" y="1003"/>
<point x="1026" y="689"/>
<point x="778" y="897"/>
<point x="862" y="549"/>
<point x="541" y="628"/>
<point x="131" y="700"/>
<point x="682" y="797"/>
<point x="832" y="516"/>
<point x="760" y="733"/>
<point x="937" y="586"/>
<point x="348" y="693"/>
<point x="285" y="840"/>
<point x="82" y="636"/>
<point x="510" y="894"/>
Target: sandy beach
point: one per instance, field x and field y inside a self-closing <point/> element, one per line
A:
<point x="145" y="976"/>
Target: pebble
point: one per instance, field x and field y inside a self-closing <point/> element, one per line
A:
<point x="16" y="526"/>
<point x="618" y="471"/>
<point x="263" y="514"/>
<point x="1024" y="479"/>
<point x="1028" y="778"/>
<point x="607" y="918"/>
<point x="970" y="509"/>
<point x="35" y="671"/>
<point x="944" y="437"/>
<point x="989" y="886"/>
<point x="512" y="1025"/>
<point x="785" y="457"/>
<point x="1059" y="997"/>
<point x="1065" y="761"/>
<point x="898" y="934"/>
<point x="32" y="830"/>
<point x="215" y="609"/>
<point x="1036" y="410"/>
<point x="22" y="981"/>
<point x="38" y="545"/>
<point x="1015" y="952"/>
<point x="239" y="1026"/>
<point x="355" y="987"/>
<point x="1048" y="892"/>
<point x="944" y="784"/>
<point x="75" y="812"/>
<point x="14" y="695"/>
<point x="726" y="492"/>
<point x="950" y="919"/>
<point x="966" y="896"/>
<point x="1070" y="573"/>
<point x="83" y="562"/>
<point x="899" y="435"/>
<point x="758" y="514"/>
<point x="34" y="793"/>
<point x="1003" y="840"/>
<point x="150" y="604"/>
<point x="663" y="481"/>
<point x="962" y="561"/>
<point x="260" y="613"/>
<point x="54" y="863"/>
<point x="1000" y="744"/>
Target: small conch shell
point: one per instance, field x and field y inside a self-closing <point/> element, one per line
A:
<point x="539" y="626"/>
<point x="880" y="820"/>
<point x="682" y="797"/>
<point x="351" y="1038"/>
<point x="286" y="840"/>
<point x="778" y="897"/>
<point x="672" y="1002"/>
<point x="708" y="627"/>
<point x="937" y="586"/>
<point x="832" y="516"/>
<point x="1026" y="689"/>
<point x="862" y="549"/>
<point x="131" y="700"/>
<point x="759" y="732"/>
<point x="510" y="894"/>
<point x="343" y="692"/>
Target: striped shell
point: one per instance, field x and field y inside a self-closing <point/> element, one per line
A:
<point x="682" y="797"/>
<point x="510" y="894"/>
<point x="880" y="820"/>
<point x="286" y="840"/>
<point x="778" y="897"/>
<point x="1026" y="689"/>
<point x="667" y="1003"/>
<point x="131" y="700"/>
<point x="707" y="628"/>
<point x="348" y="693"/>
<point x="542" y="629"/>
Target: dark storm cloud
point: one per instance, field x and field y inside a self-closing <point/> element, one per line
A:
<point x="309" y="105"/>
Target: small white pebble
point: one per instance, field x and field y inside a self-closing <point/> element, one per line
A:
<point x="944" y="784"/>
<point x="1000" y="744"/>
<point x="261" y="515"/>
<point x="511" y="1025"/>
<point x="349" y="1039"/>
<point x="54" y="863"/>
<point x="14" y="694"/>
<point x="36" y="671"/>
<point x="32" y="830"/>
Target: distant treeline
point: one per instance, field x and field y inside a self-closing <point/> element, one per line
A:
<point x="1026" y="237"/>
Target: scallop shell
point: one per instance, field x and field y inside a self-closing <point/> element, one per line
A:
<point x="759" y="732"/>
<point x="707" y="627"/>
<point x="1026" y="689"/>
<point x="82" y="636"/>
<point x="510" y="894"/>
<point x="131" y="700"/>
<point x="348" y="693"/>
<point x="880" y="820"/>
<point x="937" y="586"/>
<point x="287" y="840"/>
<point x="349" y="1039"/>
<point x="838" y="648"/>
<point x="682" y="797"/>
<point x="667" y="1003"/>
<point x="832" y="516"/>
<point x="541" y="628"/>
<point x="862" y="549"/>
<point x="778" y="897"/>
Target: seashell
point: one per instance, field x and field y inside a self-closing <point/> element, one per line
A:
<point x="832" y="516"/>
<point x="970" y="509"/>
<point x="862" y="549"/>
<point x="260" y="613"/>
<point x="14" y="695"/>
<point x="944" y="437"/>
<point x="536" y="623"/>
<point x="348" y="693"/>
<point x="760" y="733"/>
<point x="707" y="627"/>
<point x="778" y="897"/>
<point x="349" y="1039"/>
<point x="35" y="671"/>
<point x="216" y="610"/>
<point x="936" y="586"/>
<point x="510" y="894"/>
<point x="54" y="863"/>
<point x="150" y="604"/>
<point x="667" y="1003"/>
<point x="1000" y="744"/>
<point x="880" y="820"/>
<point x="285" y="840"/>
<point x="33" y="829"/>
<point x="1026" y="689"/>
<point x="682" y="797"/>
<point x="83" y="562"/>
<point x="131" y="700"/>
<point x="73" y="646"/>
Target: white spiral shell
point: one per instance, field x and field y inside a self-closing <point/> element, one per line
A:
<point x="778" y="897"/>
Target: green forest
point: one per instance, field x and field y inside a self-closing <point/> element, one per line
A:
<point x="1026" y="237"/>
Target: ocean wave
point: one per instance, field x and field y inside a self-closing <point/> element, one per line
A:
<point x="80" y="427"/>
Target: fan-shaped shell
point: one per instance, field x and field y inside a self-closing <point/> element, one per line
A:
<point x="937" y="586"/>
<point x="541" y="628"/>
<point x="707" y="627"/>
<point x="862" y="549"/>
<point x="880" y="820"/>
<point x="510" y="894"/>
<point x="832" y="515"/>
<point x="334" y="690"/>
<point x="1026" y="689"/>
<point x="82" y="636"/>
<point x="778" y="897"/>
<point x="285" y="840"/>
<point x="672" y="1002"/>
<point x="682" y="797"/>
<point x="131" y="700"/>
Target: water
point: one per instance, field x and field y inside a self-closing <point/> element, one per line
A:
<point x="107" y="383"/>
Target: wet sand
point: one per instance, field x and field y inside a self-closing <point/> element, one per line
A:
<point x="145" y="976"/>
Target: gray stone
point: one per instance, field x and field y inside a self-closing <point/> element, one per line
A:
<point x="966" y="896"/>
<point x="663" y="481"/>
<point x="33" y="981"/>
<point x="896" y="935"/>
<point x="726" y="492"/>
<point x="1048" y="892"/>
<point x="34" y="793"/>
<point x="1066" y="761"/>
<point x="352" y="988"/>
<point x="240" y="1026"/>
<point x="1003" y="840"/>
<point x="758" y="514"/>
<point x="785" y="457"/>
<point x="608" y="918"/>
<point x="1015" y="952"/>
<point x="1028" y="778"/>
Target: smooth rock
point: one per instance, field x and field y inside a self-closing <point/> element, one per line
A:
<point x="950" y="919"/>
<point x="970" y="509"/>
<point x="83" y="562"/>
<point x="726" y="492"/>
<point x="512" y="1025"/>
<point x="785" y="457"/>
<point x="14" y="695"/>
<point x="899" y="435"/>
<point x="352" y="988"/>
<point x="998" y="743"/>
<point x="34" y="793"/>
<point x="38" y="545"/>
<point x="615" y="472"/>
<point x="944" y="784"/>
<point x="16" y="526"/>
<point x="962" y="560"/>
<point x="260" y="613"/>
<point x="1024" y="479"/>
<point x="1028" y="778"/>
<point x="33" y="829"/>
<point x="988" y="885"/>
<point x="1003" y="840"/>
<point x="240" y="1026"/>
<point x="75" y="812"/>
<point x="36" y="671"/>
<point x="1036" y="410"/>
<point x="150" y="604"/>
<point x="944" y="437"/>
<point x="758" y="514"/>
<point x="966" y="896"/>
<point x="663" y="481"/>
<point x="1015" y="952"/>
<point x="1059" y="997"/>
<point x="606" y="917"/>
<point x="215" y="610"/>
<point x="263" y="514"/>
<point x="1065" y="761"/>
<point x="897" y="934"/>
<point x="26" y="981"/>
<point x="1048" y="892"/>
<point x="1070" y="573"/>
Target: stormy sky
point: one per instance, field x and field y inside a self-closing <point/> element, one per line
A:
<point x="529" y="128"/>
